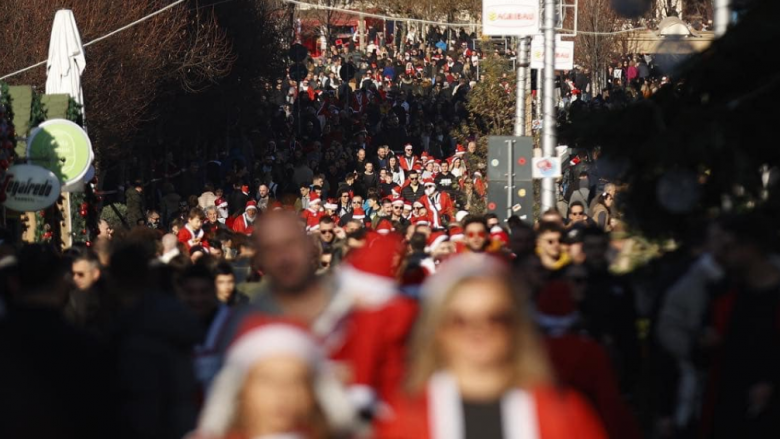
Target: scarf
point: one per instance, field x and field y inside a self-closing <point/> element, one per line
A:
<point x="445" y="414"/>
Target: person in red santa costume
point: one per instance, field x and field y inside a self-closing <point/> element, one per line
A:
<point x="580" y="362"/>
<point x="477" y="367"/>
<point x="363" y="330"/>
<point x="408" y="160"/>
<point x="438" y="204"/>
<point x="275" y="384"/>
<point x="313" y="213"/>
<point x="245" y="223"/>
<point x="192" y="234"/>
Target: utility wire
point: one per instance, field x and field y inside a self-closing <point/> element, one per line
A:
<point x="97" y="40"/>
<point x="299" y="3"/>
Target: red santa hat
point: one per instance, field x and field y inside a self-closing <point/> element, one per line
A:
<point x="251" y="204"/>
<point x="277" y="205"/>
<point x="384" y="227"/>
<point x="555" y="309"/>
<point x="395" y="192"/>
<point x="456" y="233"/>
<point x="417" y="167"/>
<point x="221" y="203"/>
<point x="314" y="198"/>
<point x="421" y="221"/>
<point x="429" y="182"/>
<point x="331" y="204"/>
<point x="398" y="202"/>
<point x="418" y="203"/>
<point x="407" y="205"/>
<point x="259" y="340"/>
<point x="358" y="213"/>
<point x="499" y="234"/>
<point x="376" y="264"/>
<point x="460" y="150"/>
<point x="436" y="239"/>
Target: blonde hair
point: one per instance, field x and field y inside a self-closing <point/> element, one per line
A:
<point x="531" y="366"/>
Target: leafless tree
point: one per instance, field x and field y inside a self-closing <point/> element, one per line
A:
<point x="123" y="72"/>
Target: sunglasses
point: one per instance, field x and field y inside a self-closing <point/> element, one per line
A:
<point x="499" y="320"/>
<point x="356" y="202"/>
<point x="413" y="178"/>
<point x="397" y="207"/>
<point x="475" y="234"/>
<point x="326" y="231"/>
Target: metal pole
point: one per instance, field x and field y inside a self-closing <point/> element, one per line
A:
<point x="510" y="179"/>
<point x="522" y="72"/>
<point x="362" y="32"/>
<point x="722" y="16"/>
<point x="539" y="94"/>
<point x="549" y="138"/>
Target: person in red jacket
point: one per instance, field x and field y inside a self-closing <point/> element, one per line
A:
<point x="192" y="234"/>
<point x="313" y="213"/>
<point x="477" y="367"/>
<point x="438" y="204"/>
<point x="580" y="362"/>
<point x="363" y="330"/>
<point x="245" y="223"/>
<point x="408" y="160"/>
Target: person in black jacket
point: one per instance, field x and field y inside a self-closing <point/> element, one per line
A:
<point x="414" y="190"/>
<point x="608" y="308"/>
<point x="53" y="376"/>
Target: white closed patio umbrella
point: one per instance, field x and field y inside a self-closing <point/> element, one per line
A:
<point x="64" y="67"/>
<point x="66" y="61"/>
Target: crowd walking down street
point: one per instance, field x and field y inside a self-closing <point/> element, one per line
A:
<point x="336" y="273"/>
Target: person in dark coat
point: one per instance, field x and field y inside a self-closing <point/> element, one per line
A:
<point x="154" y="379"/>
<point x="608" y="308"/>
<point x="135" y="204"/>
<point x="743" y="395"/>
<point x="53" y="376"/>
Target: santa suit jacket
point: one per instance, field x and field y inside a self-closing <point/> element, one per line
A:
<point x="542" y="413"/>
<point x="407" y="163"/>
<point x="187" y="237"/>
<point x="374" y="346"/>
<point x="437" y="206"/>
<point x="243" y="225"/>
<point x="312" y="218"/>
<point x="369" y="342"/>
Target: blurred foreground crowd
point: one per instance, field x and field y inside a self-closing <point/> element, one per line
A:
<point x="481" y="332"/>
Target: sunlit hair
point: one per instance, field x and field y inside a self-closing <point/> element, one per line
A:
<point x="531" y="366"/>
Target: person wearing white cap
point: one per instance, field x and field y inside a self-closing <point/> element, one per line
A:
<point x="275" y="384"/>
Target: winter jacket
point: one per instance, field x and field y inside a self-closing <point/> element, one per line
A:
<point x="135" y="207"/>
<point x="155" y="382"/>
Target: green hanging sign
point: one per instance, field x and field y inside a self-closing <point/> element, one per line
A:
<point x="62" y="147"/>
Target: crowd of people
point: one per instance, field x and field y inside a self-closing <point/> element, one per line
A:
<point x="335" y="275"/>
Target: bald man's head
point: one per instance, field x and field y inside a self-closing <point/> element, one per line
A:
<point x="169" y="242"/>
<point x="284" y="252"/>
